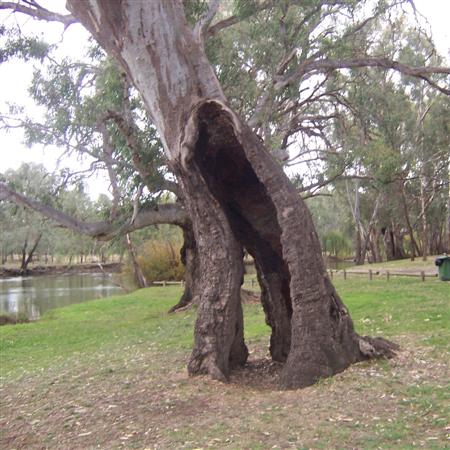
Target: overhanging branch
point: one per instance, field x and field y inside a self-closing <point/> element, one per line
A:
<point x="326" y="65"/>
<point x="163" y="214"/>
<point x="36" y="11"/>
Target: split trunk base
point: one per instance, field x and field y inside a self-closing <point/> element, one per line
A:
<point x="248" y="203"/>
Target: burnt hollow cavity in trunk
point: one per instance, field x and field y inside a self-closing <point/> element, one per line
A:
<point x="252" y="217"/>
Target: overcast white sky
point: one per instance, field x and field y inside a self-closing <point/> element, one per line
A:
<point x="15" y="78"/>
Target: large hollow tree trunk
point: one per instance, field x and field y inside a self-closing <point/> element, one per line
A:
<point x="237" y="196"/>
<point x="268" y="218"/>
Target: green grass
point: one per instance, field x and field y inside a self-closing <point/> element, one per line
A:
<point x="403" y="306"/>
<point x="87" y="327"/>
<point x="121" y="362"/>
<point x="400" y="306"/>
<point x="403" y="264"/>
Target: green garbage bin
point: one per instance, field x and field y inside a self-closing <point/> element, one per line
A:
<point x="443" y="263"/>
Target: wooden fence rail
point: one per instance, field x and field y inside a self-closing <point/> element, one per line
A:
<point x="386" y="273"/>
<point x="168" y="283"/>
<point x="332" y="272"/>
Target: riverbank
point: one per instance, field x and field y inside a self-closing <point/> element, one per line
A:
<point x="111" y="373"/>
<point x="55" y="269"/>
<point x="32" y="296"/>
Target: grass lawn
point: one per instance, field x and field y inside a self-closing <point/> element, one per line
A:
<point x="403" y="265"/>
<point x="110" y="373"/>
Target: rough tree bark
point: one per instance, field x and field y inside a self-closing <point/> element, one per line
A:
<point x="236" y="195"/>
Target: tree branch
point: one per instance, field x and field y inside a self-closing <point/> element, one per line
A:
<point x="38" y="12"/>
<point x="202" y="25"/>
<point x="129" y="132"/>
<point x="326" y="65"/>
<point x="163" y="214"/>
<point x="233" y="20"/>
<point x="109" y="162"/>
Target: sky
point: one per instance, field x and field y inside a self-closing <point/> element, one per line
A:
<point x="15" y="77"/>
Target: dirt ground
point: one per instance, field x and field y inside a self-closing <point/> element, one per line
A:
<point x="144" y="399"/>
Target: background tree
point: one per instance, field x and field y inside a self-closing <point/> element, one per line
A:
<point x="23" y="228"/>
<point x="32" y="235"/>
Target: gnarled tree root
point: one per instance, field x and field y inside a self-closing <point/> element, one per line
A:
<point x="377" y="347"/>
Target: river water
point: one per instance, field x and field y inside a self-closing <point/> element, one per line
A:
<point x="33" y="296"/>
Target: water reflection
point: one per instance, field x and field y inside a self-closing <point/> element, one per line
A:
<point x="33" y="296"/>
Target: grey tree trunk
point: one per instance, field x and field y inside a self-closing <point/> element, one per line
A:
<point x="414" y="248"/>
<point x="27" y="258"/>
<point x="390" y="243"/>
<point x="447" y="221"/>
<point x="424" y="220"/>
<point x="361" y="253"/>
<point x="236" y="195"/>
<point x="139" y="276"/>
<point x="360" y="249"/>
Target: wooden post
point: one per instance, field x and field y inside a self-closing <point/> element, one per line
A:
<point x="164" y="284"/>
<point x="387" y="275"/>
<point x="370" y="274"/>
<point x="422" y="274"/>
<point x="252" y="281"/>
<point x="331" y="273"/>
<point x="345" y="274"/>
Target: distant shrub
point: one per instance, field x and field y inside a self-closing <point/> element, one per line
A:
<point x="336" y="244"/>
<point x="12" y="319"/>
<point x="159" y="261"/>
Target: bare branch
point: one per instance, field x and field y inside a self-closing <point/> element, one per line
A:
<point x="326" y="65"/>
<point x="109" y="163"/>
<point x="311" y="190"/>
<point x="36" y="11"/>
<point x="128" y="130"/>
<point x="233" y="20"/>
<point x="168" y="213"/>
